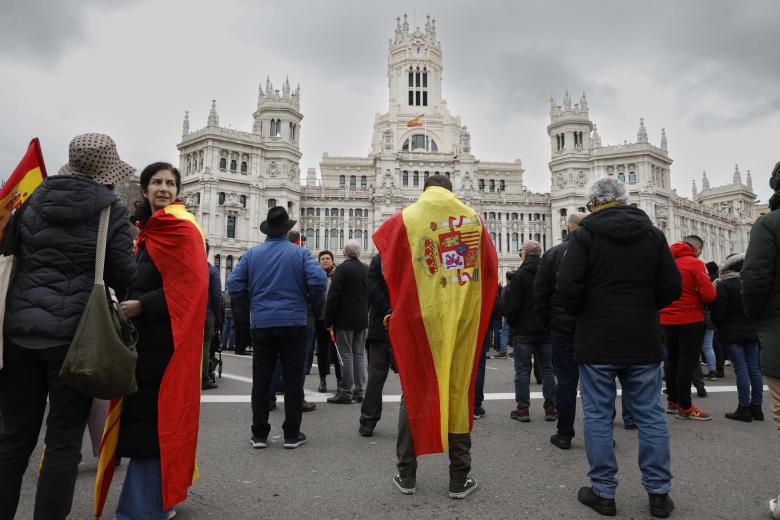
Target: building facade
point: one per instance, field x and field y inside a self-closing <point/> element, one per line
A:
<point x="231" y="178"/>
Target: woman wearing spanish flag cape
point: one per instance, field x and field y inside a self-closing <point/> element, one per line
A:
<point x="157" y="427"/>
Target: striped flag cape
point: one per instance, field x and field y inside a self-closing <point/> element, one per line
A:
<point x="440" y="267"/>
<point x="176" y="245"/>
<point x="25" y="178"/>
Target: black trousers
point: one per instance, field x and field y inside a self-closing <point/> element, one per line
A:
<point x="27" y="379"/>
<point x="243" y="337"/>
<point x="460" y="452"/>
<point x="684" y="343"/>
<point x="326" y="351"/>
<point x="286" y="343"/>
<point x="378" y="368"/>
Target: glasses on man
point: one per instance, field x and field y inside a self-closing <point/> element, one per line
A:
<point x="589" y="206"/>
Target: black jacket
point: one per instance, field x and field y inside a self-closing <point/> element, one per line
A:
<point x="498" y="310"/>
<point x="761" y="286"/>
<point x="518" y="308"/>
<point x="346" y="307"/>
<point x="57" y="235"/>
<point x="547" y="301"/>
<point x="138" y="429"/>
<point x="731" y="324"/>
<point x="616" y="274"/>
<point x="378" y="301"/>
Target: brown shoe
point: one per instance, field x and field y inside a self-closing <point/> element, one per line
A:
<point x="306" y="406"/>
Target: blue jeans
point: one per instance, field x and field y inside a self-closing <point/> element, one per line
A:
<point x="750" y="385"/>
<point x="141" y="497"/>
<point x="708" y="350"/>
<point x="642" y="389"/>
<point x="524" y="346"/>
<point x="567" y="373"/>
<point x="504" y="337"/>
<point x="479" y="384"/>
<point x="228" y="333"/>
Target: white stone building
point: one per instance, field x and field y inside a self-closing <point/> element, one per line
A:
<point x="231" y="178"/>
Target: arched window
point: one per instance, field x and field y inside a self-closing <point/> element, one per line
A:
<point x="310" y="211"/>
<point x="482" y="185"/>
<point x="273" y="128"/>
<point x="363" y="182"/>
<point x="492" y="186"/>
<point x="420" y="143"/>
<point x="416" y="182"/>
<point x="352" y="182"/>
<point x="271" y="203"/>
<point x="632" y="177"/>
<point x="536" y="216"/>
<point x="492" y="215"/>
<point x="223" y="164"/>
<point x="242" y="198"/>
<point x="221" y="197"/>
<point x="621" y="177"/>
<point x="425" y="177"/>
<point x="502" y="185"/>
<point x="244" y="167"/>
<point x="334" y="212"/>
<point x="342" y="181"/>
<point x="231" y="227"/>
<point x="276" y="127"/>
<point x="358" y="237"/>
<point x="406" y="178"/>
<point x="233" y="165"/>
<point x="514" y="216"/>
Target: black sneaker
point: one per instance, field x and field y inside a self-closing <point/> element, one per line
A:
<point x="358" y="398"/>
<point x="520" y="414"/>
<point x="661" y="506"/>
<point x="604" y="506"/>
<point x="501" y="355"/>
<point x="406" y="487"/>
<point x="550" y="414"/>
<point x="462" y="490"/>
<point x="258" y="443"/>
<point x="340" y="398"/>
<point x="294" y="443"/>
<point x="208" y="385"/>
<point x="365" y="431"/>
<point x="479" y="412"/>
<point x="701" y="391"/>
<point x="561" y="441"/>
<point x="271" y="405"/>
<point x="756" y="412"/>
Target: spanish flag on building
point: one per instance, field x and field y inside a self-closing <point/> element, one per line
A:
<point x="26" y="177"/>
<point x="416" y="121"/>
<point x="440" y="267"/>
<point x="176" y="245"/>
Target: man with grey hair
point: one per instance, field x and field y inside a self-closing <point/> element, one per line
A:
<point x="616" y="274"/>
<point x="346" y="315"/>
<point x="529" y="336"/>
<point x="549" y="308"/>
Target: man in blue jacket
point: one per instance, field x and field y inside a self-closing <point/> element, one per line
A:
<point x="280" y="280"/>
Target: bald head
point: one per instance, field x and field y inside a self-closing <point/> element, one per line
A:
<point x="573" y="222"/>
<point x="351" y="249"/>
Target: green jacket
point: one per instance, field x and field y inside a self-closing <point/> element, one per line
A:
<point x="761" y="288"/>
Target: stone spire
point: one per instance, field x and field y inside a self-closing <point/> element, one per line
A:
<point x="664" y="145"/>
<point x="259" y="95"/>
<point x="269" y="88"/>
<point x="185" y="126"/>
<point x="595" y="138"/>
<point x="737" y="178"/>
<point x="749" y="181"/>
<point x="552" y="105"/>
<point x="641" y="135"/>
<point x="213" y="117"/>
<point x="705" y="182"/>
<point x="584" y="102"/>
<point x="397" y="28"/>
<point x="567" y="101"/>
<point x="693" y="189"/>
<point x="405" y="26"/>
<point x="428" y="24"/>
<point x="286" y="87"/>
<point x="433" y="30"/>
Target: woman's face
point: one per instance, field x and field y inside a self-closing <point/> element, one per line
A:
<point x="161" y="190"/>
<point x="326" y="261"/>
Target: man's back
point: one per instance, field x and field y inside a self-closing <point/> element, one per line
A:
<point x="347" y="305"/>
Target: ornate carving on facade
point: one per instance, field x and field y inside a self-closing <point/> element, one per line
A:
<point x="465" y="140"/>
<point x="387" y="139"/>
<point x="580" y="179"/>
<point x="272" y="169"/>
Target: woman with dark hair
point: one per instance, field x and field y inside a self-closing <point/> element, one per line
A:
<point x="157" y="426"/>
<point x="739" y="334"/>
<point x="326" y="350"/>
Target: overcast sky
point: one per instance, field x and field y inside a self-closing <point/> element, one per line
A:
<point x="707" y="71"/>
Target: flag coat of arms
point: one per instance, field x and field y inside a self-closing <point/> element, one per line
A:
<point x="440" y="267"/>
<point x="25" y="178"/>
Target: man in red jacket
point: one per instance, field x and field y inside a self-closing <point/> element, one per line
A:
<point x="684" y="327"/>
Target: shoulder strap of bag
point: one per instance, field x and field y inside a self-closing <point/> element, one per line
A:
<point x="100" y="248"/>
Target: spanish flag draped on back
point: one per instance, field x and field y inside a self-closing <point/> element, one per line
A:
<point x="175" y="243"/>
<point x="440" y="267"/>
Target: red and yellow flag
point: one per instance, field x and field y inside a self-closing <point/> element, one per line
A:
<point x="416" y="121"/>
<point x="26" y="177"/>
<point x="176" y="245"/>
<point x="440" y="267"/>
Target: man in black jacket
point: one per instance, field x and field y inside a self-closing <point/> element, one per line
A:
<point x="529" y="335"/>
<point x="380" y="356"/>
<point x="549" y="308"/>
<point x="616" y="274"/>
<point x="346" y="314"/>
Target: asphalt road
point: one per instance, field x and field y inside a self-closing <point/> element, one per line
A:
<point x="722" y="469"/>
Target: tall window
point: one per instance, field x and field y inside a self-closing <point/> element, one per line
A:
<point x="310" y="243"/>
<point x="341" y="239"/>
<point x="502" y="185"/>
<point x="244" y="167"/>
<point x="418" y="87"/>
<point x="223" y="164"/>
<point x="514" y="216"/>
<point x="515" y="245"/>
<point x="492" y="215"/>
<point x="406" y="178"/>
<point x="482" y="185"/>
<point x="632" y="177"/>
<point x="425" y="177"/>
<point x="363" y="182"/>
<point x="242" y="198"/>
<point x="217" y="261"/>
<point x="233" y="165"/>
<point x="621" y="177"/>
<point x="334" y="240"/>
<point x="352" y="182"/>
<point x="492" y="186"/>
<point x="293" y="128"/>
<point x="229" y="264"/>
<point x="342" y="181"/>
<point x="276" y="127"/>
<point x="416" y="182"/>
<point x="231" y="227"/>
<point x="271" y="203"/>
<point x="221" y="197"/>
<point x="365" y="239"/>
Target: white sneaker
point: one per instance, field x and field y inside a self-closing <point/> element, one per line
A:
<point x="171" y="514"/>
<point x="774" y="507"/>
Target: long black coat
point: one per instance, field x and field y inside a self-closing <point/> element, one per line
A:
<point x="518" y="307"/>
<point x="57" y="235"/>
<point x="728" y="314"/>
<point x="138" y="429"/>
<point x="616" y="274"/>
<point x="761" y="285"/>
<point x="346" y="307"/>
<point x="547" y="300"/>
<point x="378" y="301"/>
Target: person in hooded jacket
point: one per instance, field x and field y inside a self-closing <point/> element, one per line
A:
<point x="57" y="236"/>
<point x="616" y="274"/>
<point x="684" y="328"/>
<point x="738" y="333"/>
<point x="761" y="298"/>
<point x="529" y="335"/>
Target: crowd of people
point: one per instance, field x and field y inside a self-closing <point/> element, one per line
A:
<point x="614" y="302"/>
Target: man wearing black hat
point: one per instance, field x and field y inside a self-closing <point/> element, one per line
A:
<point x="279" y="280"/>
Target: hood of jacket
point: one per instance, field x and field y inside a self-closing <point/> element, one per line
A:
<point x="622" y="224"/>
<point x="681" y="249"/>
<point x="70" y="198"/>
